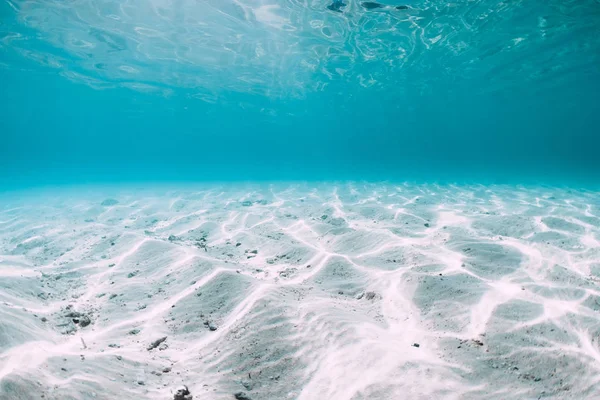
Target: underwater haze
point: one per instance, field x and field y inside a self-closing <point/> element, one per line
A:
<point x="481" y="91"/>
<point x="299" y="199"/>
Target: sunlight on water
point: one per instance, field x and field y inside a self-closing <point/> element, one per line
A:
<point x="299" y="199"/>
<point x="290" y="47"/>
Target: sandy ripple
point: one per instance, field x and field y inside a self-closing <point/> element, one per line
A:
<point x="346" y="291"/>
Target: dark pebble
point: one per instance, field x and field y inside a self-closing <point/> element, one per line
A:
<point x="156" y="343"/>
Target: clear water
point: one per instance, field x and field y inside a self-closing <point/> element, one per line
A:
<point x="166" y="90"/>
<point x="295" y="199"/>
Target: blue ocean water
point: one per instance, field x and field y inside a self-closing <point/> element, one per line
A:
<point x="187" y="90"/>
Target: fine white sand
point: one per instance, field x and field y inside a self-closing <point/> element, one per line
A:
<point x="296" y="291"/>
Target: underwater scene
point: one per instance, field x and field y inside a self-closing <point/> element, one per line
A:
<point x="299" y="199"/>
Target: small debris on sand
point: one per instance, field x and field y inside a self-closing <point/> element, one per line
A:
<point x="242" y="396"/>
<point x="79" y="318"/>
<point x="416" y="345"/>
<point x="156" y="343"/>
<point x="132" y="274"/>
<point x="183" y="393"/>
<point x="370" y="295"/>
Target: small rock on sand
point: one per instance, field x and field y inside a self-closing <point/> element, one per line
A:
<point x="242" y="396"/>
<point x="183" y="393"/>
<point x="156" y="343"/>
<point x="78" y="318"/>
<point x="248" y="385"/>
<point x="370" y="295"/>
<point x="210" y="325"/>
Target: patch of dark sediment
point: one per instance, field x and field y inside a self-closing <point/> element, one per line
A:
<point x="23" y="290"/>
<point x="97" y="377"/>
<point x="192" y="233"/>
<point x="339" y="277"/>
<point x="370" y="212"/>
<point x="423" y="207"/>
<point x="516" y="226"/>
<point x="394" y="258"/>
<point x="138" y="290"/>
<point x="560" y="224"/>
<point x="536" y="361"/>
<point x="590" y="220"/>
<point x="44" y="247"/>
<point x="18" y="326"/>
<point x="408" y="225"/>
<point x="109" y="245"/>
<point x="15" y="387"/>
<point x="485" y="259"/>
<point x="557" y="239"/>
<point x="260" y="353"/>
<point x="294" y="255"/>
<point x="152" y="259"/>
<point x="446" y="301"/>
<point x="564" y="278"/>
<point x="205" y="309"/>
<point x="331" y="227"/>
<point x="409" y="381"/>
<point x="357" y="242"/>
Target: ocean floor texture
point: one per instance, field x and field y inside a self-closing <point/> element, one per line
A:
<point x="346" y="291"/>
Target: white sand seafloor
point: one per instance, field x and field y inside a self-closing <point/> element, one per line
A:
<point x="299" y="291"/>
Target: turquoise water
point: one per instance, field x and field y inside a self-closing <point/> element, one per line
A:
<point x="299" y="199"/>
<point x="178" y="90"/>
